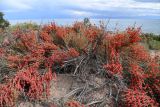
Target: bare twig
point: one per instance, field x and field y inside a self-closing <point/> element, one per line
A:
<point x="73" y="92"/>
<point x="79" y="65"/>
<point x="94" y="102"/>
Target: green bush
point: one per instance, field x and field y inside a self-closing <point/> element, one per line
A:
<point x="3" y="23"/>
<point x="152" y="36"/>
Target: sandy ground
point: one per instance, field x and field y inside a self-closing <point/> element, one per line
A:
<point x="66" y="84"/>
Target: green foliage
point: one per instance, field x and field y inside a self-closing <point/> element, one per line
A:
<point x="152" y="36"/>
<point x="1" y="38"/>
<point x="3" y="23"/>
<point x="87" y="22"/>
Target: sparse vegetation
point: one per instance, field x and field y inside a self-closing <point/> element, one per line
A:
<point x="152" y="41"/>
<point x="27" y="25"/>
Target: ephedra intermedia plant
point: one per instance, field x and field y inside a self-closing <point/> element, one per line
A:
<point x="36" y="57"/>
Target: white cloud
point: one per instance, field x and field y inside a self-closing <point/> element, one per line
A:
<point x="18" y="5"/>
<point x="139" y="8"/>
<point x="82" y="7"/>
<point x="80" y="13"/>
<point x="93" y="4"/>
<point x="107" y="4"/>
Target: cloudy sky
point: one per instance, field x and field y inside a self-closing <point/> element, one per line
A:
<point x="40" y="9"/>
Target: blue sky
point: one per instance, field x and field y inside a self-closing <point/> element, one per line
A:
<point x="40" y="9"/>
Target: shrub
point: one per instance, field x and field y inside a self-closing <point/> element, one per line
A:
<point x="48" y="48"/>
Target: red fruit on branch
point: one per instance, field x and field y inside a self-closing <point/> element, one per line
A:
<point x="74" y="104"/>
<point x="114" y="68"/>
<point x="135" y="98"/>
<point x="61" y="32"/>
<point x="47" y="78"/>
<point x="134" y="34"/>
<point x="72" y="52"/>
<point x="137" y="77"/>
<point x="7" y="96"/>
<point x="31" y="83"/>
<point x="46" y="37"/>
